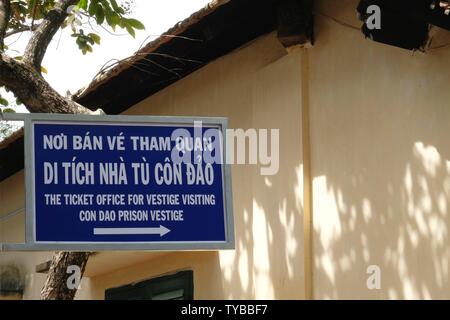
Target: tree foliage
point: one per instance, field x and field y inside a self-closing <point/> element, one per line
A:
<point x="80" y="17"/>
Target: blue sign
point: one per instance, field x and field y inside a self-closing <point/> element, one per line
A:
<point x="129" y="183"/>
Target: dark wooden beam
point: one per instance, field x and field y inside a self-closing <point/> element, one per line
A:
<point x="402" y="22"/>
<point x="295" y="22"/>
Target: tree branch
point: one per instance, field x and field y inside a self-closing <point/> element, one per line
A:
<point x="5" y="12"/>
<point x="31" y="88"/>
<point x="55" y="287"/>
<point x="21" y="29"/>
<point x="37" y="46"/>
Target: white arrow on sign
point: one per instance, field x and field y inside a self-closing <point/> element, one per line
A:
<point x="161" y="230"/>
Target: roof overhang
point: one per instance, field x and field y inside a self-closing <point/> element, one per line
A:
<point x="212" y="32"/>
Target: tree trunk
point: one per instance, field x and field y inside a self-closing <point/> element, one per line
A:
<point x="32" y="90"/>
<point x="56" y="287"/>
<point x="25" y="80"/>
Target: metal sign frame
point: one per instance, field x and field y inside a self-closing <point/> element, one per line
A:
<point x="30" y="234"/>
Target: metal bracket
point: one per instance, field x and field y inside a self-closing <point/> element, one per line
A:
<point x="12" y="116"/>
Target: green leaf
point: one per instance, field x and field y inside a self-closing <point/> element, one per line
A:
<point x="93" y="8"/>
<point x="136" y="24"/>
<point x="83" y="4"/>
<point x="80" y="42"/>
<point x="114" y="4"/>
<point x="89" y="40"/>
<point x="131" y="31"/>
<point x="116" y="19"/>
<point x="86" y="48"/>
<point x="95" y="37"/>
<point x="9" y="110"/>
<point x="113" y="19"/>
<point x="100" y="15"/>
<point x="116" y="7"/>
<point x="3" y="102"/>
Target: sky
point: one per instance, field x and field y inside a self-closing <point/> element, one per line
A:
<point x="69" y="70"/>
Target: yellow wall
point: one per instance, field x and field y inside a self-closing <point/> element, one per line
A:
<point x="12" y="197"/>
<point x="380" y="135"/>
<point x="244" y="86"/>
<point x="379" y="120"/>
